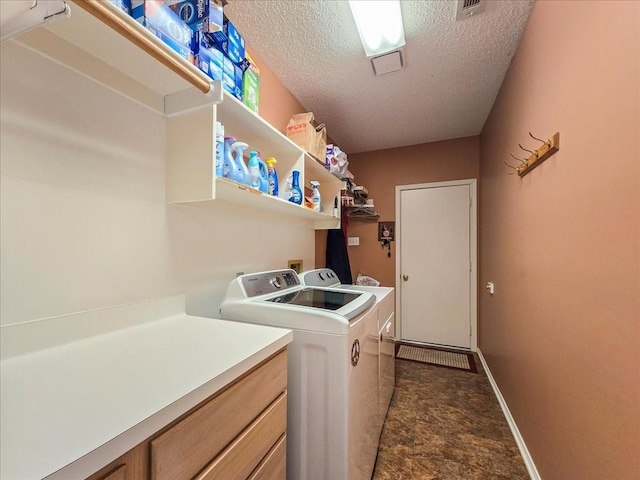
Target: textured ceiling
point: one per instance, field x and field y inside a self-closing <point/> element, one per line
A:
<point x="453" y="69"/>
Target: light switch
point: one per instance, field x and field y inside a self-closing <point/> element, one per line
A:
<point x="354" y="241"/>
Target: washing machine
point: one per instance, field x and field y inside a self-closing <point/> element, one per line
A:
<point x="385" y="313"/>
<point x="332" y="373"/>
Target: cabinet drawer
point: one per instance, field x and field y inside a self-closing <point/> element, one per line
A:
<point x="241" y="457"/>
<point x="186" y="448"/>
<point x="274" y="465"/>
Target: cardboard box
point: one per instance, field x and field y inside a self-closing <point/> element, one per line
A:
<point x="303" y="131"/>
<point x="166" y="25"/>
<point x="251" y="86"/>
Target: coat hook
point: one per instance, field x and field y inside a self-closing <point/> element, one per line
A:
<point x="519" y="159"/>
<point x="511" y="166"/>
<point x="532" y="153"/>
<point x="547" y="143"/>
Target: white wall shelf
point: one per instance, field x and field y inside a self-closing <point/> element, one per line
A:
<point x="92" y="48"/>
<point x="191" y="164"/>
<point x="114" y="50"/>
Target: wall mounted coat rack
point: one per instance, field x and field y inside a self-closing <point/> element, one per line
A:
<point x="537" y="156"/>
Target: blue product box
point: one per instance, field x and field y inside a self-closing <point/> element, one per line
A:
<point x="211" y="60"/>
<point x="235" y="42"/>
<point x="201" y="15"/>
<point x="165" y="24"/>
<point x="231" y="42"/>
<point x="228" y="75"/>
<point x="216" y="16"/>
<point x="232" y="78"/>
<point x="184" y="51"/>
<point x="124" y="5"/>
<point x="192" y="12"/>
<point x="239" y="73"/>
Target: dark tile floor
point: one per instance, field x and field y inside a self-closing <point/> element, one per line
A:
<point x="446" y="424"/>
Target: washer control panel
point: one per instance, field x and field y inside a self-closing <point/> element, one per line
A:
<point x="321" y="277"/>
<point x="268" y="282"/>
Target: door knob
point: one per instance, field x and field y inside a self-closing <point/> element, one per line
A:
<point x="405" y="277"/>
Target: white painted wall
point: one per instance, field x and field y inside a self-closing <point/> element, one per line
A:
<point x="83" y="219"/>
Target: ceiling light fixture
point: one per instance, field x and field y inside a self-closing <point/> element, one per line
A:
<point x="379" y="24"/>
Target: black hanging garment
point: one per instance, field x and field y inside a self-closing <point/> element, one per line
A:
<point x="337" y="254"/>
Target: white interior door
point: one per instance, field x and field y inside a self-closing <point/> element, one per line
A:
<point x="436" y="275"/>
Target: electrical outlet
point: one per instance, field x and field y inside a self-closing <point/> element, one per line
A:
<point x="354" y="241"/>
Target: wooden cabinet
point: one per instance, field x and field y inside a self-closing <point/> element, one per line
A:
<point x="236" y="434"/>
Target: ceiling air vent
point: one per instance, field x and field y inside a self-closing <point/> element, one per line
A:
<point x="387" y="63"/>
<point x="469" y="8"/>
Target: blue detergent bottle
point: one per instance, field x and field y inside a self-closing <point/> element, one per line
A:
<point x="239" y="148"/>
<point x="219" y="150"/>
<point x="230" y="168"/>
<point x="264" y="175"/>
<point x="254" y="170"/>
<point x="296" y="193"/>
<point x="272" y="176"/>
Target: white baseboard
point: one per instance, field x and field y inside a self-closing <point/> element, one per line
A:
<point x="528" y="461"/>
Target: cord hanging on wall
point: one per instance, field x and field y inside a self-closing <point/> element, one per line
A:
<point x="537" y="156"/>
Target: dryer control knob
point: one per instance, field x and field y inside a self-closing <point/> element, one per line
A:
<point x="276" y="282"/>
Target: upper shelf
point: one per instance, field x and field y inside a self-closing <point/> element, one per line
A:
<point x="103" y="43"/>
<point x="115" y="50"/>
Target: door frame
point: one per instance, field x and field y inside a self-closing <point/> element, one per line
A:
<point x="473" y="239"/>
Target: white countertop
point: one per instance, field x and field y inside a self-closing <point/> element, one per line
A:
<point x="68" y="410"/>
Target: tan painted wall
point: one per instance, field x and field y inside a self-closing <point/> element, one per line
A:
<point x="380" y="172"/>
<point x="562" y="332"/>
<point x="277" y="104"/>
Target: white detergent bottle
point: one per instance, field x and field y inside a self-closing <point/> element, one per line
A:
<point x="317" y="200"/>
<point x="286" y="193"/>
